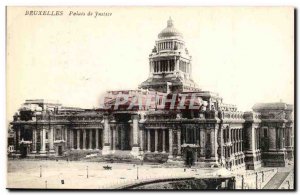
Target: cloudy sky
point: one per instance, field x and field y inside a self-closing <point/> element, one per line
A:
<point x="244" y="54"/>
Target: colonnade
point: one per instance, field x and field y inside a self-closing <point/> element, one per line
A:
<point x="90" y="139"/>
<point x="233" y="149"/>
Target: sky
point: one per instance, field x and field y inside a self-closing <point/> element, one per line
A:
<point x="244" y="54"/>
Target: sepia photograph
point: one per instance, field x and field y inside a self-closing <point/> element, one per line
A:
<point x="150" y="98"/>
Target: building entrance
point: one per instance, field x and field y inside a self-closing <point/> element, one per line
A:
<point x="190" y="155"/>
<point x="60" y="153"/>
<point x="123" y="137"/>
<point x="189" y="160"/>
<point x="23" y="150"/>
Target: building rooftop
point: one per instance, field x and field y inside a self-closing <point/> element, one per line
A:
<point x="272" y="106"/>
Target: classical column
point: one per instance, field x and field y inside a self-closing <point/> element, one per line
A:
<point x="72" y="139"/>
<point x="281" y="138"/>
<point x="222" y="133"/>
<point x="148" y="141"/>
<point x="91" y="138"/>
<point x="135" y="129"/>
<point x="234" y="148"/>
<point x="159" y="66"/>
<point x="135" y="151"/>
<point x="84" y="139"/>
<point x="288" y="142"/>
<point x="156" y="141"/>
<point x="187" y="138"/>
<point x="78" y="139"/>
<point x="241" y="146"/>
<point x="272" y="138"/>
<point x="43" y="148"/>
<point x="66" y="138"/>
<point x="164" y="141"/>
<point x="34" y="141"/>
<point x="170" y="143"/>
<point x="117" y="140"/>
<point x="214" y="144"/>
<point x="257" y="138"/>
<point x="51" y="140"/>
<point x="230" y="136"/>
<point x="178" y="142"/>
<point x="114" y="138"/>
<point x="17" y="139"/>
<point x="106" y="147"/>
<point x="142" y="139"/>
<point x="97" y="139"/>
<point x="202" y="143"/>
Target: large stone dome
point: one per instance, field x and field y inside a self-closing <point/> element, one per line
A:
<point x="169" y="31"/>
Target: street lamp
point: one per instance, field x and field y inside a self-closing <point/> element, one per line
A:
<point x="87" y="171"/>
<point x="242" y="181"/>
<point x="40" y="170"/>
<point x="256" y="178"/>
<point x="137" y="172"/>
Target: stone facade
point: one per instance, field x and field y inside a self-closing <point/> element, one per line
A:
<point x="212" y="134"/>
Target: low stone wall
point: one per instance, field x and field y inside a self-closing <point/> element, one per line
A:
<point x="188" y="183"/>
<point x="263" y="177"/>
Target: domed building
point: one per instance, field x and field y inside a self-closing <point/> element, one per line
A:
<point x="170" y="63"/>
<point x="169" y="119"/>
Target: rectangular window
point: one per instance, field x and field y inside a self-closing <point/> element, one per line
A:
<point x="265" y="132"/>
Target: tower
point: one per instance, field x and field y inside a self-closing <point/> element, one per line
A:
<point x="170" y="63"/>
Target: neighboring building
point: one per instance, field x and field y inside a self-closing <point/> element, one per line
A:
<point x="210" y="133"/>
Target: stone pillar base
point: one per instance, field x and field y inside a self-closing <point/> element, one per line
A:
<point x="52" y="152"/>
<point x="171" y="159"/>
<point x="135" y="151"/>
<point x="274" y="158"/>
<point x="289" y="153"/>
<point x="106" y="150"/>
<point x="252" y="165"/>
<point x="212" y="159"/>
<point x="33" y="152"/>
<point x="43" y="153"/>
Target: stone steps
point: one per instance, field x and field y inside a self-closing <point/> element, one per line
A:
<point x="116" y="156"/>
<point x="156" y="157"/>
